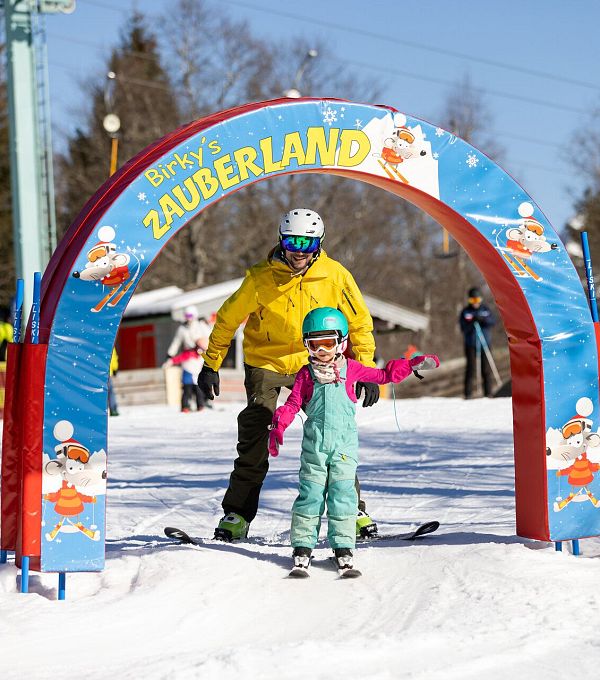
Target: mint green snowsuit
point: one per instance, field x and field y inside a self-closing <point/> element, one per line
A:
<point x="327" y="468"/>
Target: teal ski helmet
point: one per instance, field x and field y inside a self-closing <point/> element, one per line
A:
<point x="325" y="321"/>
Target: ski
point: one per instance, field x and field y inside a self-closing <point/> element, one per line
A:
<point x="100" y="306"/>
<point x="180" y="535"/>
<point x="345" y="572"/>
<point x="115" y="301"/>
<point x="423" y="530"/>
<point x="299" y="571"/>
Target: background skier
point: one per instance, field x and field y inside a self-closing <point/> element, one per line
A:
<point x="190" y="337"/>
<point x="275" y="295"/>
<point x="476" y="321"/>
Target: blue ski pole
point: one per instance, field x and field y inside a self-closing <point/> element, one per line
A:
<point x="35" y="308"/>
<point x="589" y="275"/>
<point x="18" y="316"/>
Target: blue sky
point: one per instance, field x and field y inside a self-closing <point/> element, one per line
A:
<point x="537" y="61"/>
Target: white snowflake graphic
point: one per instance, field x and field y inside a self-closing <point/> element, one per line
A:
<point x="436" y="155"/>
<point x="358" y="124"/>
<point x="329" y="115"/>
<point x="141" y="196"/>
<point x="472" y="160"/>
<point x="439" y="132"/>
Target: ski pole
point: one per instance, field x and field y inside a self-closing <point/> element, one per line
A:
<point x="589" y="275"/>
<point x="35" y="308"/>
<point x="477" y="364"/>
<point x="488" y="354"/>
<point x="18" y="316"/>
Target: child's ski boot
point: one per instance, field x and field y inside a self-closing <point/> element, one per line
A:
<point x="365" y="526"/>
<point x="302" y="557"/>
<point x="232" y="527"/>
<point x="344" y="563"/>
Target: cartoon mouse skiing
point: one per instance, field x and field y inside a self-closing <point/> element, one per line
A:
<point x="109" y="267"/>
<point x="523" y="241"/>
<point x="397" y="148"/>
<point x="70" y="462"/>
<point x="576" y="438"/>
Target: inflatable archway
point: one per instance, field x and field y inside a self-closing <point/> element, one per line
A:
<point x="56" y="436"/>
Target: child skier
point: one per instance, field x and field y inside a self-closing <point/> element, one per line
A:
<point x="191" y="363"/>
<point x="325" y="389"/>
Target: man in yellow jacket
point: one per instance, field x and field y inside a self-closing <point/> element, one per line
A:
<point x="275" y="296"/>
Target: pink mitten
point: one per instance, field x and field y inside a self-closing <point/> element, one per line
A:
<point x="275" y="441"/>
<point x="282" y="419"/>
<point x="424" y="362"/>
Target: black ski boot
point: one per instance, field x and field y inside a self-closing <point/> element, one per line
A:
<point x="344" y="563"/>
<point x="302" y="557"/>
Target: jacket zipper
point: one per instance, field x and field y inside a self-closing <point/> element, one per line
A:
<point x="348" y="301"/>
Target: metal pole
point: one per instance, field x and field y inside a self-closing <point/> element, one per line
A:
<point x="25" y="166"/>
<point x="589" y="275"/>
<point x="114" y="149"/>
<point x="62" y="585"/>
<point x="24" y="574"/>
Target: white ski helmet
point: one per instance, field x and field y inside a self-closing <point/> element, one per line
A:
<point x="302" y="222"/>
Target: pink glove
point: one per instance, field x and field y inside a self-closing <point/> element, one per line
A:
<point x="282" y="418"/>
<point x="275" y="441"/>
<point x="424" y="362"/>
<point x="399" y="369"/>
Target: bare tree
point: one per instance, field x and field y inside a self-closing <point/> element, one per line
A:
<point x="586" y="161"/>
<point x="464" y="113"/>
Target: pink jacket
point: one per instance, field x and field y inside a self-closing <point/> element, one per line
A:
<point x="395" y="371"/>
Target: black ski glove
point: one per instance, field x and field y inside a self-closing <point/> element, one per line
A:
<point x="371" y="392"/>
<point x="208" y="381"/>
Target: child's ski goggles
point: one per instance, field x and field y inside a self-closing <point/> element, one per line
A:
<point x="301" y="244"/>
<point x="327" y="343"/>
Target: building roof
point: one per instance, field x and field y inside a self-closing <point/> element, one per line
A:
<point x="207" y="300"/>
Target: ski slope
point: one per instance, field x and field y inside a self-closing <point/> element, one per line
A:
<point x="472" y="601"/>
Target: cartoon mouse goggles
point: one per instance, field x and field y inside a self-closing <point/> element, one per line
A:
<point x="74" y="451"/>
<point x="534" y="226"/>
<point x="574" y="427"/>
<point x="100" y="250"/>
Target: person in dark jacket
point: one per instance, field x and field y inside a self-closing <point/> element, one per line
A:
<point x="476" y="322"/>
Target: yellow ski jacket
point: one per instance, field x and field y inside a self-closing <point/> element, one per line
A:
<point x="114" y="362"/>
<point x="276" y="300"/>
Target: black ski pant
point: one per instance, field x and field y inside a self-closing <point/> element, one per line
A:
<point x="471" y="372"/>
<point x="189" y="393"/>
<point x="252" y="464"/>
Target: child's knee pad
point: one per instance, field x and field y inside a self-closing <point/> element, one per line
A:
<point x="311" y="499"/>
<point x="342" y="499"/>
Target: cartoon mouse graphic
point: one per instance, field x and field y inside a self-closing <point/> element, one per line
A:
<point x="71" y="463"/>
<point x="397" y="148"/>
<point x="576" y="438"/>
<point x="110" y="267"/>
<point x="524" y="240"/>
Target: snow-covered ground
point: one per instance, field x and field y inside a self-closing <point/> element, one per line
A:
<point x="472" y="601"/>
